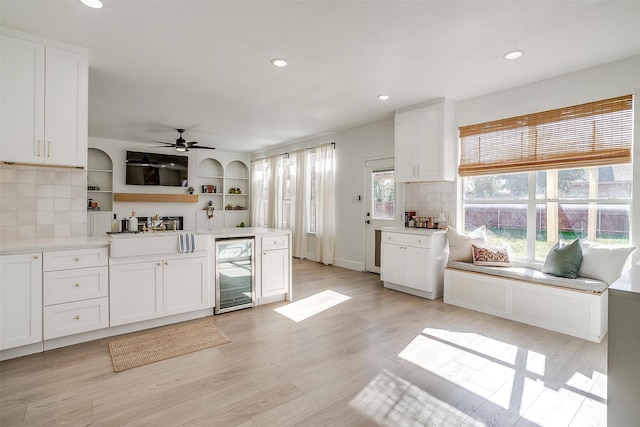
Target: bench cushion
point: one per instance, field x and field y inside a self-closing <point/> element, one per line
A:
<point x="533" y="275"/>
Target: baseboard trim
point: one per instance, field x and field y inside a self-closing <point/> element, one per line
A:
<point x="350" y="265"/>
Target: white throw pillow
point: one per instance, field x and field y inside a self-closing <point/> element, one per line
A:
<point x="460" y="243"/>
<point x="603" y="262"/>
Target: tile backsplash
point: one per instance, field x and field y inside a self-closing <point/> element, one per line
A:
<point x="431" y="198"/>
<point x="41" y="202"/>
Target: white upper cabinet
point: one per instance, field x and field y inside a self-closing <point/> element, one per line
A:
<point x="44" y="104"/>
<point x="425" y="143"/>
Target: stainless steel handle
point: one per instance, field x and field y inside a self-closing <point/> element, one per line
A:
<point x="39" y="148"/>
<point x="77" y="317"/>
<point x="48" y="148"/>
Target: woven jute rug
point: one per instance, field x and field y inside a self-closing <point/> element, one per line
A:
<point x="138" y="350"/>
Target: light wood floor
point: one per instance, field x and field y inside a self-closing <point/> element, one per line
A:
<point x="380" y="357"/>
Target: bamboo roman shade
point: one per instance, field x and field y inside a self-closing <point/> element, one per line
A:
<point x="592" y="134"/>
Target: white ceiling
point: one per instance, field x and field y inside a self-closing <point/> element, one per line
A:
<point x="205" y="65"/>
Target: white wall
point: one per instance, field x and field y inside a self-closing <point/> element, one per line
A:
<point x="353" y="146"/>
<point x="117" y="151"/>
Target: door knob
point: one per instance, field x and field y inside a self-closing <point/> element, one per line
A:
<point x="368" y="222"/>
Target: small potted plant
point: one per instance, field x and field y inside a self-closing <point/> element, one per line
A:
<point x="191" y="190"/>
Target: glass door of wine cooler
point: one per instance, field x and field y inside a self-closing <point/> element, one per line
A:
<point x="234" y="275"/>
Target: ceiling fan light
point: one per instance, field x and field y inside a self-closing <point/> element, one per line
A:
<point x="383" y="97"/>
<point x="95" y="4"/>
<point x="181" y="149"/>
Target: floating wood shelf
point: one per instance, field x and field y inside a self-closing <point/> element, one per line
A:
<point x="146" y="197"/>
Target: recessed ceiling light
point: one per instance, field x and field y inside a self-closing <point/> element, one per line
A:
<point x="96" y="4"/>
<point x="278" y="62"/>
<point x="383" y="97"/>
<point x="514" y="54"/>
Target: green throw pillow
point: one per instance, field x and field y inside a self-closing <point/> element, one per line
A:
<point x="564" y="260"/>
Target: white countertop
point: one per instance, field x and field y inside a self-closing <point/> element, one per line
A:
<point x="53" y="243"/>
<point x="410" y="230"/>
<point x="61" y="243"/>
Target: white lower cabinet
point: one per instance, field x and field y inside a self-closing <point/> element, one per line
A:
<point x="275" y="262"/>
<point x="20" y="300"/>
<point x="152" y="289"/>
<point x="414" y="261"/>
<point x="275" y="272"/>
<point x="75" y="292"/>
<point x="186" y="285"/>
<point x="75" y="317"/>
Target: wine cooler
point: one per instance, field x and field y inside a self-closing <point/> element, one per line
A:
<point x="234" y="274"/>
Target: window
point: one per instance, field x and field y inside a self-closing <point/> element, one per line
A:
<point x="384" y="195"/>
<point x="533" y="181"/>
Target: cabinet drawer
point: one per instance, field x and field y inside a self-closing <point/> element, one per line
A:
<point x="75" y="285"/>
<point x="79" y="258"/>
<point x="75" y="317"/>
<point x="275" y="242"/>
<point x="407" y="239"/>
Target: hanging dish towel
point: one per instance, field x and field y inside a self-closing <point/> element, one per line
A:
<point x="193" y="242"/>
<point x="181" y="243"/>
<point x="186" y="243"/>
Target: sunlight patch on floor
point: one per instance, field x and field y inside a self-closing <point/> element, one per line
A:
<point x="390" y="400"/>
<point x="508" y="376"/>
<point x="310" y="306"/>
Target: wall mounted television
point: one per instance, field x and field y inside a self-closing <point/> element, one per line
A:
<point x="156" y="169"/>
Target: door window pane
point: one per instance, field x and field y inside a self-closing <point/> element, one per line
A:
<point x="384" y="195"/>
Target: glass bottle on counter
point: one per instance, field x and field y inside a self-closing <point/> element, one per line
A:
<point x="133" y="222"/>
<point x="115" y="224"/>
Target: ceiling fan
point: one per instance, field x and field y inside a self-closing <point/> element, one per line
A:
<point x="182" y="145"/>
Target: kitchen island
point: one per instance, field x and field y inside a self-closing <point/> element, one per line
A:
<point x="71" y="290"/>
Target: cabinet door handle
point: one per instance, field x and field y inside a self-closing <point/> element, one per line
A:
<point x="36" y="257"/>
<point x="418" y="174"/>
<point x="48" y="148"/>
<point x="76" y="259"/>
<point x="77" y="317"/>
<point x="159" y="264"/>
<point x="166" y="263"/>
<point x="39" y="148"/>
<point x="77" y="285"/>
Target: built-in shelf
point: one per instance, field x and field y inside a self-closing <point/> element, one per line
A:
<point x="100" y="176"/>
<point x="146" y="197"/>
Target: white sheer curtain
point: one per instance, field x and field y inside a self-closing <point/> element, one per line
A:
<point x="259" y="180"/>
<point x="300" y="205"/>
<point x="325" y="228"/>
<point x="273" y="191"/>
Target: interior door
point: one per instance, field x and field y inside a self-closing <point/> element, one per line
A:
<point x="382" y="206"/>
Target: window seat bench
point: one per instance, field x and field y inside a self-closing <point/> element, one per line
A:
<point x="576" y="307"/>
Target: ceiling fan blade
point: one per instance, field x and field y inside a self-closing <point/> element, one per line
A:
<point x="167" y="143"/>
<point x="203" y="147"/>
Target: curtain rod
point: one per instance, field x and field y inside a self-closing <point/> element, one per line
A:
<point x="333" y="144"/>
